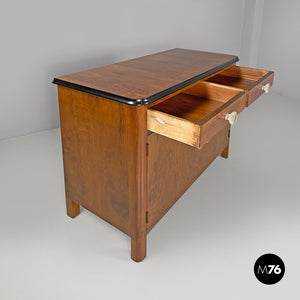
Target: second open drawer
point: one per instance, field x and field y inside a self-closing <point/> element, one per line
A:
<point x="254" y="82"/>
<point x="197" y="114"/>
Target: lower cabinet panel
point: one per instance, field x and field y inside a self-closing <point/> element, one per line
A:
<point x="173" y="167"/>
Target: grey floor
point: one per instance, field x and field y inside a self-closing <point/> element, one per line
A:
<point x="204" y="248"/>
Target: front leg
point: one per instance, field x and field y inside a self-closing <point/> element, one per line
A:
<point x="138" y="248"/>
<point x="224" y="153"/>
<point x="73" y="209"/>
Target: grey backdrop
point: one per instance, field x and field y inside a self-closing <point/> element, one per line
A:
<point x="43" y="39"/>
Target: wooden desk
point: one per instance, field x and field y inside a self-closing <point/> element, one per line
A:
<point x="137" y="134"/>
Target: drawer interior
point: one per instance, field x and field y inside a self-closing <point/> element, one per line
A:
<point x="238" y="77"/>
<point x="253" y="81"/>
<point x="188" y="116"/>
<point x="198" y="103"/>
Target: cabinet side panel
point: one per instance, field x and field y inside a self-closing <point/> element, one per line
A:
<point x="173" y="167"/>
<point x="97" y="154"/>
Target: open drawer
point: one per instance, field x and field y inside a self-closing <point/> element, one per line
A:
<point x="195" y="115"/>
<point x="253" y="81"/>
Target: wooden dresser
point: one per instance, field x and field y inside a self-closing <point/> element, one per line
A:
<point x="138" y="133"/>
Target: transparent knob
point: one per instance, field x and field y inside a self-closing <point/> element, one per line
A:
<point x="231" y="118"/>
<point x="266" y="88"/>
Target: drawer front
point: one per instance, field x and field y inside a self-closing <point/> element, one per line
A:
<point x="253" y="81"/>
<point x="260" y="88"/>
<point x="218" y="122"/>
<point x="195" y="133"/>
<point x="173" y="127"/>
<point x="199" y="112"/>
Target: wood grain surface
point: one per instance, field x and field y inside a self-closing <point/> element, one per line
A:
<point x="104" y="153"/>
<point x="146" y="76"/>
<point x="125" y="174"/>
<point x="249" y="80"/>
<point x="173" y="167"/>
<point x="194" y="120"/>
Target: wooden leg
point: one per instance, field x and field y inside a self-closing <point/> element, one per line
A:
<point x="73" y="209"/>
<point x="224" y="153"/>
<point x="137" y="181"/>
<point x="138" y="248"/>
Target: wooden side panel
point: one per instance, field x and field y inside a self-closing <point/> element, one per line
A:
<point x="104" y="146"/>
<point x="211" y="90"/>
<point x="244" y="72"/>
<point x="173" y="167"/>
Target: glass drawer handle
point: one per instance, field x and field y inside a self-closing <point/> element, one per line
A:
<point x="231" y="118"/>
<point x="266" y="88"/>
